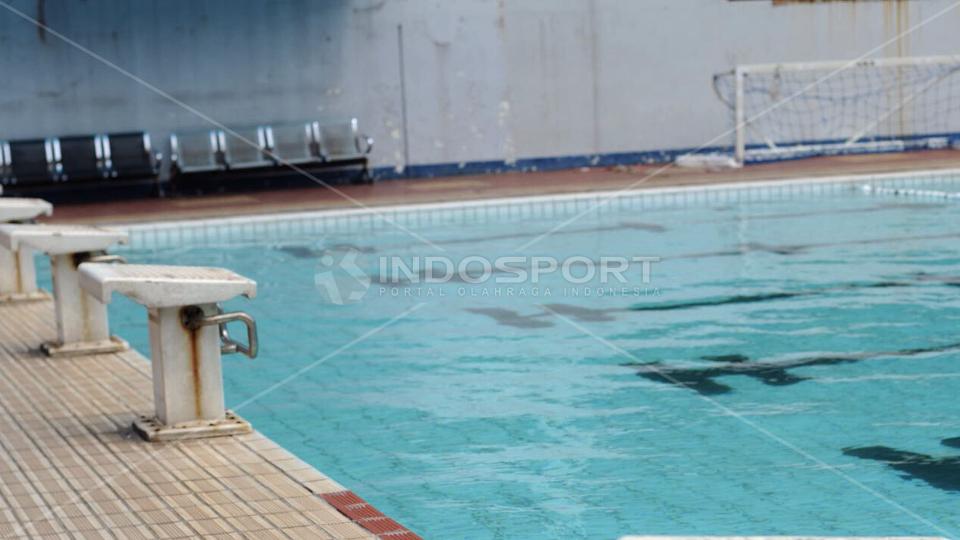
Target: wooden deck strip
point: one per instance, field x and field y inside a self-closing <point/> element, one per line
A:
<point x="70" y="467"/>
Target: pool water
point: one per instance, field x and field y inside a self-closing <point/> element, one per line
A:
<point x="805" y="353"/>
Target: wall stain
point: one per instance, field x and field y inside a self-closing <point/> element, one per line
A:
<point x="42" y="20"/>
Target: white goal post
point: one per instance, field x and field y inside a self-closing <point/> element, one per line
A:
<point x="793" y="110"/>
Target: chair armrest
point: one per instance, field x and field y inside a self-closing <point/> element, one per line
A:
<point x="364" y="144"/>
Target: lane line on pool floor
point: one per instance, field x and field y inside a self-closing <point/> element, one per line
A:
<point x="768" y="434"/>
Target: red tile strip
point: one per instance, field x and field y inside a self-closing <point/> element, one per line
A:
<point x="364" y="514"/>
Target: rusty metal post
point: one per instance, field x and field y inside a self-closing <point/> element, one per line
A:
<point x="186" y="367"/>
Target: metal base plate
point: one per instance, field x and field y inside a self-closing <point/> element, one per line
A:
<point x="114" y="344"/>
<point x="150" y="429"/>
<point x="24" y="297"/>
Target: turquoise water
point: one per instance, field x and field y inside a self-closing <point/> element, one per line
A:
<point x="801" y="347"/>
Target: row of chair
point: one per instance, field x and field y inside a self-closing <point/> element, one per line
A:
<point x="213" y="159"/>
<point x="269" y="146"/>
<point x="79" y="158"/>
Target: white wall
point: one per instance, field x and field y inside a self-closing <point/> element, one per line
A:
<point x="485" y="79"/>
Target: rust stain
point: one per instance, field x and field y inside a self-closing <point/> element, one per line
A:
<point x="16" y="262"/>
<point x="84" y="306"/>
<point x="42" y="21"/>
<point x="84" y="309"/>
<point x="902" y="23"/>
<point x="195" y="370"/>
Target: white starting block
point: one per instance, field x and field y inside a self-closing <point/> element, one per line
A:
<point x="16" y="209"/>
<point x="188" y="334"/>
<point x="82" y="326"/>
<point x="18" y="277"/>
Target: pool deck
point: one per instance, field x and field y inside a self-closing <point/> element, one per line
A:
<point x="70" y="467"/>
<point x="392" y="192"/>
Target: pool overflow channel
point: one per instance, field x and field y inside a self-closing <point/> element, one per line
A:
<point x="188" y="329"/>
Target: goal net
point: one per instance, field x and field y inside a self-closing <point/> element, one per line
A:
<point x="787" y="111"/>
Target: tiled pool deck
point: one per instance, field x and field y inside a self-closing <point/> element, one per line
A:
<point x="70" y="467"/>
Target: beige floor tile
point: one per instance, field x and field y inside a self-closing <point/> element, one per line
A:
<point x="250" y="523"/>
<point x="71" y="467"/>
<point x="349" y="530"/>
<point x="135" y="533"/>
<point x="307" y="533"/>
<point x="288" y="519"/>
<point x="173" y="530"/>
<point x="211" y="526"/>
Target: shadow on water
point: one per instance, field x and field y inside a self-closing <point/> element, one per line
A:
<point x="314" y="252"/>
<point x="579" y="313"/>
<point x="952" y="442"/>
<point x="950" y="281"/>
<point x="834" y="211"/>
<point x="773" y="373"/>
<point x="764" y="297"/>
<point x="508" y="317"/>
<point x="939" y="472"/>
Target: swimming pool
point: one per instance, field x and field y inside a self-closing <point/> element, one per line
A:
<point x="790" y="368"/>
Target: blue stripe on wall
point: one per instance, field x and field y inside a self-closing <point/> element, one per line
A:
<point x="432" y="170"/>
<point x="537" y="164"/>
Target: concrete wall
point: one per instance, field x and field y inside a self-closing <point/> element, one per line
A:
<point x="483" y="79"/>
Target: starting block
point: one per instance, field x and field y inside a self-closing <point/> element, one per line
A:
<point x="188" y="335"/>
<point x="82" y="326"/>
<point x="18" y="277"/>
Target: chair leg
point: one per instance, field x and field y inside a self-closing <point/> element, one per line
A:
<point x="365" y="176"/>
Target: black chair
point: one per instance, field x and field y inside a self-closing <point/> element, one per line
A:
<point x="82" y="158"/>
<point x="33" y="161"/>
<point x="246" y="148"/>
<point x="342" y="141"/>
<point x="293" y="143"/>
<point x="343" y="145"/>
<point x="130" y="155"/>
<point x="196" y="152"/>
